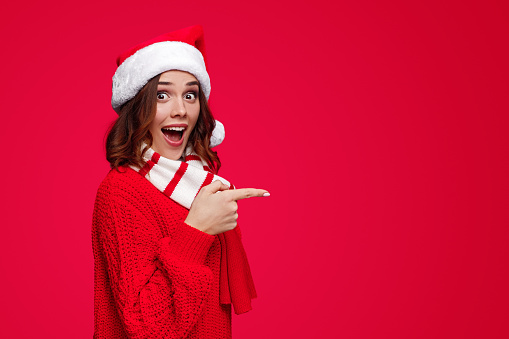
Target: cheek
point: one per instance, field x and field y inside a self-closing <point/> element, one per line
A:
<point x="158" y="118"/>
<point x="153" y="126"/>
<point x="195" y="114"/>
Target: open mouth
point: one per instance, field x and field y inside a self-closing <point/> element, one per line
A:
<point x="174" y="134"/>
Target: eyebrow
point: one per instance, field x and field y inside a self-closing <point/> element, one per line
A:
<point x="191" y="83"/>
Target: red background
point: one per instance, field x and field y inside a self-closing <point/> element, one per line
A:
<point x="379" y="127"/>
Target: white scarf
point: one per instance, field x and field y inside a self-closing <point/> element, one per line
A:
<point x="179" y="180"/>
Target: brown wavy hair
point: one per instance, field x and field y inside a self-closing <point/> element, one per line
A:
<point x="131" y="129"/>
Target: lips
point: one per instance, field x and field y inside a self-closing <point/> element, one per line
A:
<point x="174" y="134"/>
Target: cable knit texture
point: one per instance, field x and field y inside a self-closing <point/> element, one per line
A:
<point x="154" y="276"/>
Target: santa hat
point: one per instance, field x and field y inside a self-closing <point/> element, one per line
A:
<point x="182" y="50"/>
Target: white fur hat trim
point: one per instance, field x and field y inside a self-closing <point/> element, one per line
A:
<point x="152" y="60"/>
<point x="217" y="135"/>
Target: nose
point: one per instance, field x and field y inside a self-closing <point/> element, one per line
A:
<point x="179" y="109"/>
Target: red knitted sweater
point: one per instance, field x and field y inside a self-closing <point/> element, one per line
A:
<point x="154" y="276"/>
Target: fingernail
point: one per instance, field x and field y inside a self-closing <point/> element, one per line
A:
<point x="266" y="194"/>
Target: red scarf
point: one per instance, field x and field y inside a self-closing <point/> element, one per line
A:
<point x="181" y="181"/>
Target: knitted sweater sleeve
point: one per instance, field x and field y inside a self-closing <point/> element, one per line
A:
<point x="160" y="284"/>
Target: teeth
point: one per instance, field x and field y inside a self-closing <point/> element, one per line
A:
<point x="179" y="129"/>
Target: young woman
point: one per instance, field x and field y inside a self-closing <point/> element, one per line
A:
<point x="169" y="261"/>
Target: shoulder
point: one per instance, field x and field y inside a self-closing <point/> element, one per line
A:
<point x="126" y="188"/>
<point x="124" y="181"/>
<point x="124" y="192"/>
<point x="125" y="198"/>
<point x="124" y="185"/>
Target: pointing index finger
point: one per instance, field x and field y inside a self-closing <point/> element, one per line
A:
<point x="244" y="193"/>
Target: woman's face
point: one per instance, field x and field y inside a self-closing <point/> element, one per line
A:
<point x="178" y="108"/>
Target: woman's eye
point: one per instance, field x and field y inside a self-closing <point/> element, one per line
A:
<point x="190" y="96"/>
<point x="162" y="96"/>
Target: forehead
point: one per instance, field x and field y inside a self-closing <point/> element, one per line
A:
<point x="175" y="76"/>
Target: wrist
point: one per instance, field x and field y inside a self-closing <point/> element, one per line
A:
<point x="193" y="224"/>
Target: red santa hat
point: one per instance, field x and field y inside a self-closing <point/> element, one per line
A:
<point x="182" y="50"/>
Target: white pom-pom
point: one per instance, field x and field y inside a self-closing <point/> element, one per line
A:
<point x="217" y="135"/>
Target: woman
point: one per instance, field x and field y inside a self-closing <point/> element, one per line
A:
<point x="169" y="262"/>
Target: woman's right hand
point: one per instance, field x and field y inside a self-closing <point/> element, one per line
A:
<point x="214" y="210"/>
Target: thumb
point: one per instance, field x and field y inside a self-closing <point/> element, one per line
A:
<point x="216" y="186"/>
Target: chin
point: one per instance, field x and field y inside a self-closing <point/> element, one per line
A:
<point x="172" y="155"/>
<point x="169" y="152"/>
